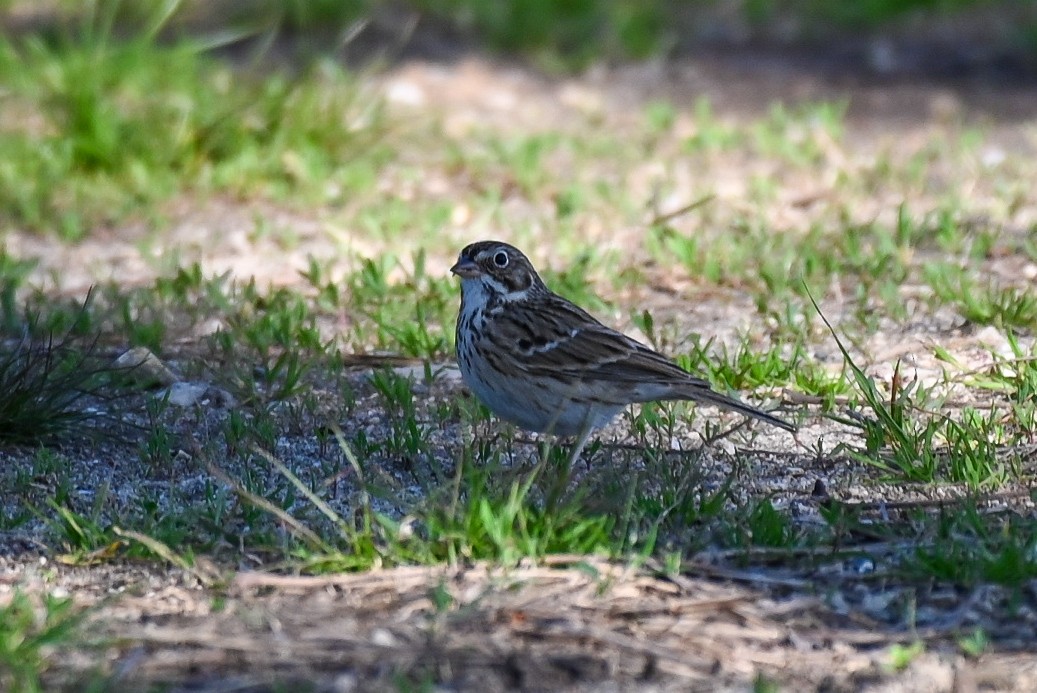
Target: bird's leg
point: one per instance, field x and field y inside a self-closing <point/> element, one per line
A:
<point x="580" y="444"/>
<point x="560" y="483"/>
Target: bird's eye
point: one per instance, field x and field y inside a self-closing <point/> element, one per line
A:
<point x="501" y="259"/>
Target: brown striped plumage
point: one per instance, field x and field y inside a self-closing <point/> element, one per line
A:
<point x="543" y="363"/>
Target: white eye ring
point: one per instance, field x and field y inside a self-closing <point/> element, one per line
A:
<point x="500" y="259"/>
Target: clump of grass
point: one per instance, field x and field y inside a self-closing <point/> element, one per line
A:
<point x="54" y="386"/>
<point x="530" y="517"/>
<point x="970" y="546"/>
<point x="903" y="440"/>
<point x="413" y="317"/>
<point x="123" y="120"/>
<point x="28" y="634"/>
<point x="476" y="515"/>
<point x="983" y="303"/>
<point x="13" y="274"/>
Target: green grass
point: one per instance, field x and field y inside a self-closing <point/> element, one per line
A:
<point x="413" y="316"/>
<point x="562" y="34"/>
<point x="906" y="436"/>
<point x="121" y="122"/>
<point x="969" y="547"/>
<point x="31" y="637"/>
<point x="984" y="302"/>
<point x="275" y="348"/>
<point x="58" y="386"/>
<point x="81" y="148"/>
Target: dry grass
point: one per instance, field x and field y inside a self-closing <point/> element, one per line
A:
<point x="573" y="624"/>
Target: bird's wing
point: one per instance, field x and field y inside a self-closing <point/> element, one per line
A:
<point x="562" y="340"/>
<point x="558" y="340"/>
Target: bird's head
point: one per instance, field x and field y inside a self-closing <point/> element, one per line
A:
<point x="498" y="269"/>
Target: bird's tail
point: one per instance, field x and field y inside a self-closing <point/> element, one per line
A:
<point x="708" y="396"/>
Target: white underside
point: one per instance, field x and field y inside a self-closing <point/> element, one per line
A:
<point x="514" y="400"/>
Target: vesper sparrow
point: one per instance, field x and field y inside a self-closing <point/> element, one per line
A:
<point x="544" y="364"/>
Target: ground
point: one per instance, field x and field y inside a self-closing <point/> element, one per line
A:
<point x="569" y="623"/>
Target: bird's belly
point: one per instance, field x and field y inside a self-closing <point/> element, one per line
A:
<point x="548" y="407"/>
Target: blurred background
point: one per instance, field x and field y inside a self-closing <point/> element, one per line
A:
<point x="949" y="38"/>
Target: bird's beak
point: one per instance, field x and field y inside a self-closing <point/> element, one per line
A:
<point x="466" y="268"/>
